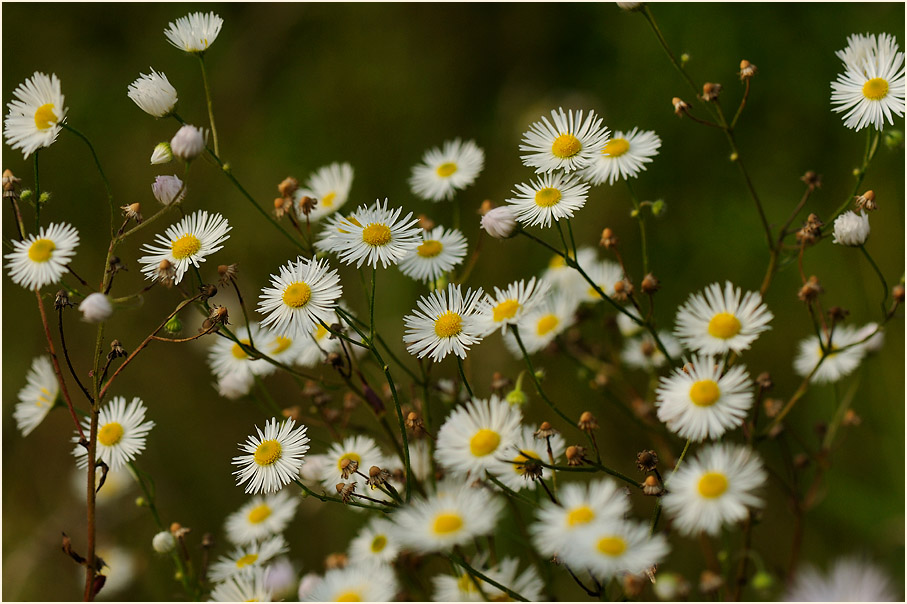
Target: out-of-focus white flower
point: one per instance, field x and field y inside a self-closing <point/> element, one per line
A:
<point x="163" y="542"/>
<point x="168" y="189"/>
<point x="499" y="222"/>
<point x="96" y="307"/>
<point x="188" y="142"/>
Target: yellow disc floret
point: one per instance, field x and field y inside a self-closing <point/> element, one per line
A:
<point x="712" y="485"/>
<point x="705" y="393"/>
<point x="448" y="324"/>
<point x="348" y="456"/>
<point x="349" y="596"/>
<point x="724" y="325"/>
<point x="268" y="452"/>
<point x="446" y="169"/>
<point x="547" y="197"/>
<point x="612" y="546"/>
<point x="247" y="560"/>
<point x="185" y="246"/>
<point x="875" y="89"/>
<point x="565" y="146"/>
<point x="110" y="434"/>
<point x="297" y="294"/>
<point x="376" y="234"/>
<point x="281" y="344"/>
<point x="616" y="147"/>
<point x="580" y="515"/>
<point x="238" y="352"/>
<point x="259" y="513"/>
<point x="505" y="310"/>
<point x="483" y="442"/>
<point x="546" y="324"/>
<point x="378" y="543"/>
<point x="430" y="248"/>
<point x="45" y="116"/>
<point x="447" y="523"/>
<point x="41" y="250"/>
<point x="328" y="200"/>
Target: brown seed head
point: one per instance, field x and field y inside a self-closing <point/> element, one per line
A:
<point x="336" y="560"/>
<point x="811" y="231"/>
<point x="133" y="212"/>
<point x="294" y="413"/>
<point x="587" y="422"/>
<point x="377" y="476"/>
<point x="837" y="314"/>
<point x="499" y="381"/>
<point x="116" y="350"/>
<point x="61" y="300"/>
<point x="165" y="273"/>
<point x="288" y="186"/>
<point x="307" y="204"/>
<point x="426" y="223"/>
<point x="764" y="380"/>
<point x="633" y="585"/>
<point x="898" y="292"/>
<point x="810" y="290"/>
<point x="866" y="201"/>
<point x="680" y="106"/>
<point x="207" y="290"/>
<point x="710" y="581"/>
<point x="646" y="460"/>
<point x="485" y="207"/>
<point x="348" y="467"/>
<point x="642" y="408"/>
<point x="282" y="205"/>
<point x="710" y="92"/>
<point x="747" y="69"/>
<point x="772" y="406"/>
<point x="10" y="182"/>
<point x="575" y="454"/>
<point x="609" y="239"/>
<point x="801" y="461"/>
<point x="651" y="486"/>
<point x="812" y="180"/>
<point x="650" y="284"/>
<point x="851" y="418"/>
<point x="648" y="348"/>
<point x="623" y="289"/>
<point x="545" y="431"/>
<point x="175" y="527"/>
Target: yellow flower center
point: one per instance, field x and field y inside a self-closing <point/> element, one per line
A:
<point x="557" y="262"/>
<point x="378" y="543"/>
<point x="446" y="169"/>
<point x="712" y="485"/>
<point x="110" y="434"/>
<point x="185" y="246"/>
<point x="547" y="197"/>
<point x="483" y="442"/>
<point x="447" y="523"/>
<point x="320" y="332"/>
<point x="297" y="294"/>
<point x="45" y="116"/>
<point x="448" y="325"/>
<point x="566" y="145"/>
<point x="593" y="293"/>
<point x="268" y="452"/>
<point x="238" y="352"/>
<point x="875" y="89"/>
<point x="520" y="459"/>
<point x="505" y="310"/>
<point x="349" y="596"/>
<point x="705" y="393"/>
<point x="259" y="513"/>
<point x="580" y="515"/>
<point x="612" y="546"/>
<point x="466" y="585"/>
<point x="351" y="456"/>
<point x="281" y="344"/>
<point x="724" y="325"/>
<point x="616" y="147"/>
<point x="430" y="248"/>
<point x="41" y="250"/>
<point x="247" y="560"/>
<point x="546" y="324"/>
<point x="328" y="200"/>
<point x="376" y="234"/>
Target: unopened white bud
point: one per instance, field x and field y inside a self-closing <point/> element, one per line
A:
<point x="161" y="154"/>
<point x="153" y="94"/>
<point x="96" y="307"/>
<point x="188" y="143"/>
<point x="499" y="222"/>
<point x="163" y="542"/>
<point x="851" y="229"/>
<point x="168" y="189"/>
<point x="307" y="585"/>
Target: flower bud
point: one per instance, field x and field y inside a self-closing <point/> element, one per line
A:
<point x="747" y="69"/>
<point x="96" y="308"/>
<point x="710" y="91"/>
<point x="168" y="189"/>
<point x="516" y="397"/>
<point x="893" y="139"/>
<point x="659" y="207"/>
<point x="650" y="284"/>
<point x="161" y="154"/>
<point x="499" y="222"/>
<point x="866" y="201"/>
<point x="851" y="229"/>
<point x="680" y="106"/>
<point x="762" y="581"/>
<point x="153" y="93"/>
<point x="163" y="542"/>
<point x="174" y="325"/>
<point x="307" y="585"/>
<point x="188" y="143"/>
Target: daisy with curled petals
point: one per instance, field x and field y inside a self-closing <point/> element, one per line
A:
<point x="462" y="588"/>
<point x="40" y="260"/>
<point x="871" y="88"/>
<point x="508" y="306"/>
<point x="474" y="433"/>
<point x="121" y="433"/>
<point x="375" y="543"/>
<point x="444" y="171"/>
<point x="623" y="157"/>
<point x="273" y="458"/>
<point x="303" y="295"/>
<point x="375" y="234"/>
<point x="250" y="587"/>
<point x="851" y="579"/>
<point x="542" y="324"/>
<point x="834" y="362"/>
<point x="186" y="243"/>
<point x="716" y="322"/>
<point x="364" y="582"/>
<point x="715" y="488"/>
<point x="35" y="115"/>
<point x="570" y="143"/>
<point x="513" y="465"/>
<point x="454" y="515"/>
<point x="698" y="402"/>
<point x="38" y="396"/>
<point x="580" y="505"/>
<point x="195" y="32"/>
<point x="441" y="250"/>
<point x="549" y="197"/>
<point x="361" y="449"/>
<point x="613" y="547"/>
<point x="226" y="357"/>
<point x="243" y="560"/>
<point x="260" y="518"/>
<point x="445" y="322"/>
<point x="330" y="185"/>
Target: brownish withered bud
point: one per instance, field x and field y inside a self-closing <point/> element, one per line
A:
<point x="801" y="461"/>
<point x="587" y="422"/>
<point x="575" y="454"/>
<point x="500" y="382"/>
<point x="335" y="360"/>
<point x="866" y="201"/>
<point x="851" y="418"/>
<point x="10" y="182"/>
<point x="207" y="541"/>
<point x="485" y="207"/>
<point x="764" y="380"/>
<point x="652" y="487"/>
<point x="282" y="205"/>
<point x="836" y="314"/>
<point x="811" y="231"/>
<point x="414" y="422"/>
<point x="207" y="290"/>
<point x="710" y="92"/>
<point x="646" y="460"/>
<point x="650" y="284"/>
<point x="648" y="348"/>
<point x="747" y="70"/>
<point x="377" y="476"/>
<point x="812" y="180"/>
<point x="165" y="273"/>
<point x="772" y="406"/>
<point x="336" y="560"/>
<point x="217" y="316"/>
<point x="898" y="292"/>
<point x="633" y="585"/>
<point x="810" y="290"/>
<point x="116" y="350"/>
<point x="545" y="431"/>
<point x="680" y="106"/>
<point x="307" y="204"/>
<point x="642" y="408"/>
<point x="426" y="223"/>
<point x="312" y="389"/>
<point x="710" y="581"/>
<point x="623" y="289"/>
<point x="345" y="490"/>
<point x="294" y="413"/>
<point x="227" y="273"/>
<point x="350" y="402"/>
<point x="61" y="300"/>
<point x="288" y="186"/>
<point x="133" y="212"/>
<point x="348" y="467"/>
<point x="608" y="239"/>
<point x="175" y="527"/>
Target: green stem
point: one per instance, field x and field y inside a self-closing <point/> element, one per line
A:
<point x="875" y="267"/>
<point x="841" y="411"/>
<point x="463" y="376"/>
<point x="97" y="163"/>
<point x="322" y="497"/>
<point x="37" y="194"/>
<point x="648" y="15"/>
<point x="657" y="514"/>
<point x="642" y="227"/>
<point x="535" y="379"/>
<point x="371" y="308"/>
<point x="201" y="60"/>
<point x="872" y="145"/>
<point x="400" y="420"/>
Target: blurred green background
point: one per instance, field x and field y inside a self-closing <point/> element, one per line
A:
<point x="297" y="86"/>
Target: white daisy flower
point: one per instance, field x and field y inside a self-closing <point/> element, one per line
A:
<point x="282" y="349"/>
<point x="454" y="515"/>
<point x="273" y="458"/>
<point x="235" y="385"/>
<point x="243" y="560"/>
<point x="121" y="433"/>
<point x="188" y="142"/>
<point x="570" y="143"/>
<point x="714" y="488"/>
<point x="361" y="449"/>
<point x="300" y="297"/>
<point x="613" y="547"/>
<point x="374" y="543"/>
<point x="604" y="273"/>
<point x="282" y="578"/>
<point x="186" y="243"/>
<point x="474" y="433"/>
<point x="328" y="240"/>
<point x="260" y="518"/>
<point x="374" y="234"/>
<point x="851" y="229"/>
<point x="542" y="324"/>
<point x="40" y="260"/>
<point x="441" y="250"/>
<point x="550" y="196"/>
<point x="623" y="157"/>
<point x="715" y="322"/>
<point x="96" y="308"/>
<point x="38" y="396"/>
<point x="356" y="583"/>
<point x="851" y="579"/>
<point x="445" y="322"/>
<point x="247" y="587"/>
<point x="509" y="463"/>
<point x="330" y="185"/>
<point x="162" y="154"/>
<point x="508" y="306"/>
<point x="642" y="352"/>
<point x="871" y="88"/>
<point x="499" y="222"/>
<point x="862" y="47"/>
<point x="195" y="32"/>
<point x="168" y="189"/>
<point x="581" y="504"/>
<point x="226" y="357"/>
<point x="443" y="172"/>
<point x="698" y="402"/>
<point x="310" y="473"/>
<point x="35" y="115"/>
<point x="462" y="588"/>
<point x="838" y="363"/>
<point x="875" y="342"/>
<point x="153" y="93"/>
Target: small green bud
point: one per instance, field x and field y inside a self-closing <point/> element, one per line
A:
<point x="540" y="374"/>
<point x="141" y="502"/>
<point x="659" y="207"/>
<point x="734" y="156"/>
<point x="178" y="575"/>
<point x="174" y="325"/>
<point x="763" y="581"/>
<point x="684" y="58"/>
<point x="517" y="398"/>
<point x="227" y="168"/>
<point x="894" y="139"/>
<point x="856" y="172"/>
<point x="634" y="213"/>
<point x="26" y="195"/>
<point x="162" y="154"/>
<point x="45" y="197"/>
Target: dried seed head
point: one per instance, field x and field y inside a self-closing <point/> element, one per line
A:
<point x="812" y="180"/>
<point x="633" y="585"/>
<point x="294" y="413"/>
<point x="165" y="273"/>
<point x="414" y="422"/>
<point x="377" y="476"/>
<point x="866" y="201"/>
<point x="642" y="408"/>
<point x="851" y="418"/>
<point x="764" y="380"/>
<point x="646" y="460"/>
<point x="575" y="454"/>
<point x="801" y="461"/>
<point x="652" y="487"/>
<point x="811" y="231"/>
<point x="348" y="467"/>
<point x="499" y="382"/>
<point x="772" y="406"/>
<point x="336" y="560"/>
<point x="282" y="205"/>
<point x="898" y="292"/>
<point x="426" y="223"/>
<point x="587" y="422"/>
<point x="133" y="212"/>
<point x="10" y="182"/>
<point x="485" y="207"/>
<point x="307" y="204"/>
<point x="650" y="284"/>
<point x="116" y="350"/>
<point x="175" y="527"/>
<point x="810" y="290"/>
<point x="837" y="314"/>
<point x="227" y="273"/>
<point x="61" y="300"/>
<point x="647" y="347"/>
<point x="219" y="315"/>
<point x="710" y="92"/>
<point x="747" y="69"/>
<point x="207" y="290"/>
<point x="345" y="490"/>
<point x="288" y="186"/>
<point x="609" y="239"/>
<point x="623" y="289"/>
<point x="545" y="431"/>
<point x="680" y="106"/>
<point x="334" y="360"/>
<point x="710" y="581"/>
